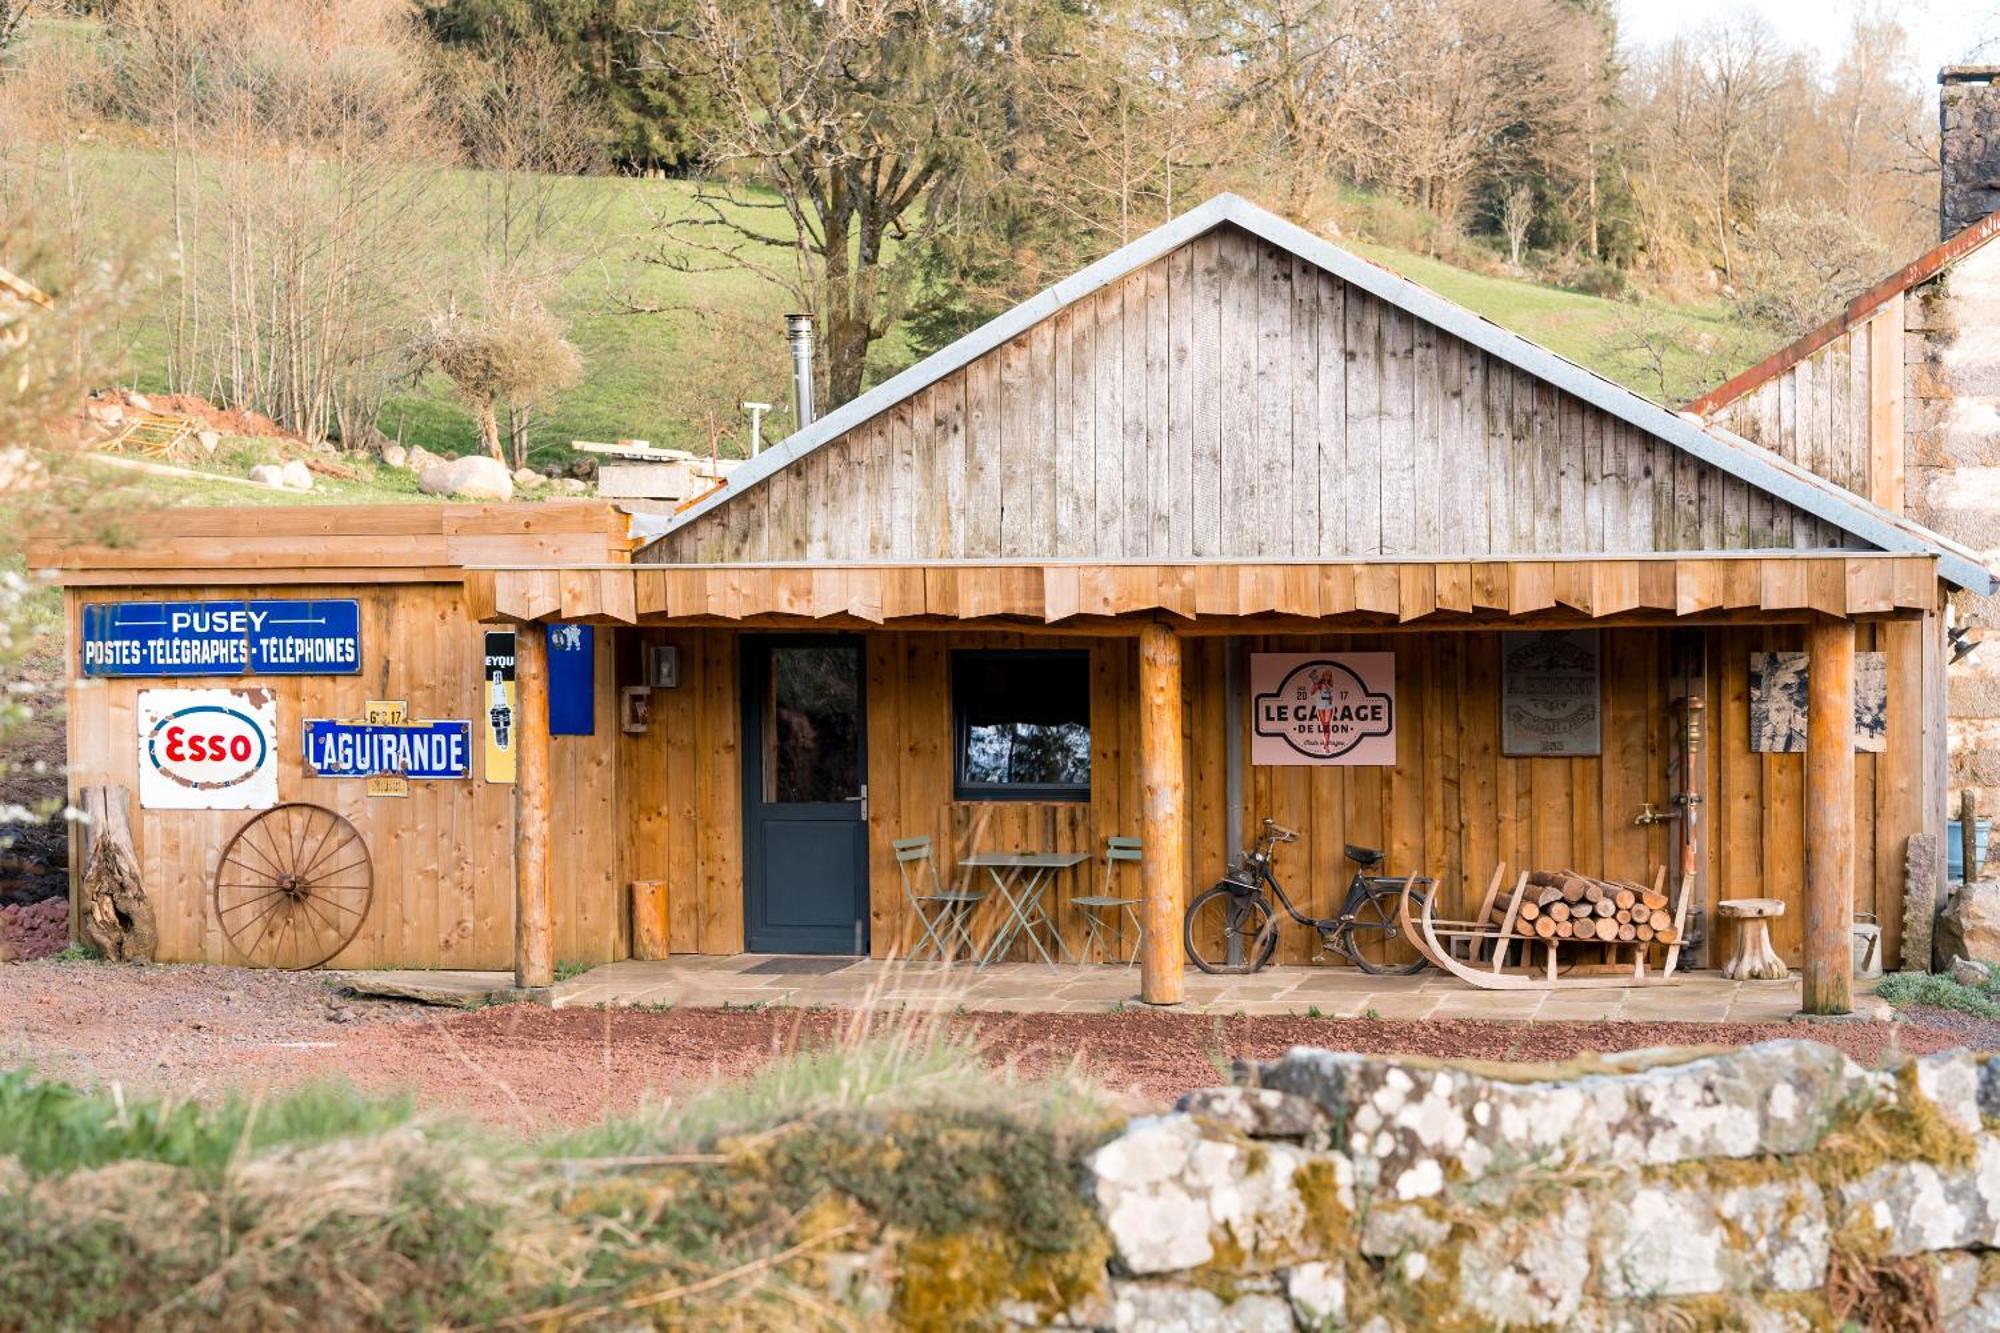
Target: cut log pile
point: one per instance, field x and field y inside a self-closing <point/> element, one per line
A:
<point x="1567" y="905"/>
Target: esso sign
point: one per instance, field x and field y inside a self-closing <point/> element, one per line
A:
<point x="208" y="752"/>
<point x="208" y="747"/>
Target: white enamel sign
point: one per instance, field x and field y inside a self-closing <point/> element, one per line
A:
<point x="208" y="749"/>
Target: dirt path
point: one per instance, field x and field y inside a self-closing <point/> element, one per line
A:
<point x="196" y="1030"/>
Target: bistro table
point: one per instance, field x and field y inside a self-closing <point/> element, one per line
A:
<point x="1022" y="878"/>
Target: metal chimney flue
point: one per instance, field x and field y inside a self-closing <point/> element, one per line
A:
<point x="799" y="332"/>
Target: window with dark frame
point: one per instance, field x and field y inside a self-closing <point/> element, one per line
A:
<point x="1022" y="718"/>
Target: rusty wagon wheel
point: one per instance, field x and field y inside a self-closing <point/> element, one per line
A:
<point x="293" y="886"/>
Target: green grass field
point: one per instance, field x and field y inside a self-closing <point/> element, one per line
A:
<point x="672" y="339"/>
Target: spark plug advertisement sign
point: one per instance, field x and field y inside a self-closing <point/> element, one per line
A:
<point x="208" y="750"/>
<point x="279" y="637"/>
<point x="1323" y="708"/>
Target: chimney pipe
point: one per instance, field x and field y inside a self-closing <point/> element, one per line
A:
<point x="799" y="332"/>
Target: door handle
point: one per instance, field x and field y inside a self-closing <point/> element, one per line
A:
<point x="863" y="799"/>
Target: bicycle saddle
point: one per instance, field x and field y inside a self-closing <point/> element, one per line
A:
<point x="1363" y="856"/>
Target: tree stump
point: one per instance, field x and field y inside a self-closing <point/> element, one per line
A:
<point x="1754" y="959"/>
<point x="117" y="918"/>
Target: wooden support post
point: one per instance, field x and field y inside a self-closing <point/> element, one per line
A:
<point x="1829" y="894"/>
<point x="1163" y="819"/>
<point x="534" y="915"/>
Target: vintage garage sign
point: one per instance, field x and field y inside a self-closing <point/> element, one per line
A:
<point x="1323" y="708"/>
<point x="336" y="749"/>
<point x="210" y="749"/>
<point x="277" y="637"/>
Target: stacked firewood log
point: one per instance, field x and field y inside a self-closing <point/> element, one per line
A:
<point x="1566" y="905"/>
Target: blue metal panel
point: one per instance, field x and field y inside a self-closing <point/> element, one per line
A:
<point x="572" y="680"/>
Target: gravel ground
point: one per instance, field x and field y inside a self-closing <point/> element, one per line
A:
<point x="194" y="1030"/>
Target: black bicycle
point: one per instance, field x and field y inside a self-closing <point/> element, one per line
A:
<point x="1231" y="928"/>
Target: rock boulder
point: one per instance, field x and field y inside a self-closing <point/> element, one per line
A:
<point x="395" y="455"/>
<point x="474" y="475"/>
<point x="297" y="476"/>
<point x="1970" y="926"/>
<point x="268" y="474"/>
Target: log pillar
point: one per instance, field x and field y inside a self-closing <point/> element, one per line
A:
<point x="1829" y="891"/>
<point x="1163" y="822"/>
<point x="534" y="915"/>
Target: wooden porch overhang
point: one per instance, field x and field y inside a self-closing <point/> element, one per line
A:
<point x="1766" y="586"/>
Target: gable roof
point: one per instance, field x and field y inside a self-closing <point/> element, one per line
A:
<point x="1729" y="453"/>
<point x="1913" y="274"/>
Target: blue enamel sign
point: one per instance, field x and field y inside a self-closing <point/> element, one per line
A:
<point x="572" y="680"/>
<point x="284" y="637"/>
<point x="388" y="749"/>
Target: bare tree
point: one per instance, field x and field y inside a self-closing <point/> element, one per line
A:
<point x="13" y="18"/>
<point x="1802" y="265"/>
<point x="512" y="353"/>
<point x="296" y="142"/>
<point x="1517" y="215"/>
<point x="839" y="157"/>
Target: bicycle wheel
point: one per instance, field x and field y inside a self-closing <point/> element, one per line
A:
<point x="1223" y="916"/>
<point x="1374" y="937"/>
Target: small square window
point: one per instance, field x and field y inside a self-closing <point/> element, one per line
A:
<point x="1023" y="725"/>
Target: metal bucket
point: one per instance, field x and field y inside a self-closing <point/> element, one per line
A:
<point x="1867" y="947"/>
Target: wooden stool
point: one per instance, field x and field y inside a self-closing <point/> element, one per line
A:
<point x="1753" y="959"/>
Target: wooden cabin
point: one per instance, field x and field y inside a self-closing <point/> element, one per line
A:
<point x="1043" y="589"/>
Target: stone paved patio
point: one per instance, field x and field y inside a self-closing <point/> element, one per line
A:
<point x="766" y="980"/>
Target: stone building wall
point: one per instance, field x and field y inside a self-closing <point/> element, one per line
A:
<point x="1952" y="479"/>
<point x="1777" y="1187"/>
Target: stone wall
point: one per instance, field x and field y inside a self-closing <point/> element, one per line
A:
<point x="1775" y="1187"/>
<point x="1952" y="479"/>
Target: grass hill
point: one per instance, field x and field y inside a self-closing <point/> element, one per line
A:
<point x="671" y="341"/>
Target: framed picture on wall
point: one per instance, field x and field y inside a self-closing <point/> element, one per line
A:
<point x="1551" y="693"/>
<point x="1778" y="684"/>
<point x="635" y="709"/>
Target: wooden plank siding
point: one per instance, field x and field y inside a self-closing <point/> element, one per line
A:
<point x="390" y="543"/>
<point x="1454" y="593"/>
<point x="1233" y="400"/>
<point x="1837" y="412"/>
<point x="443" y="856"/>
<point x="1452" y="805"/>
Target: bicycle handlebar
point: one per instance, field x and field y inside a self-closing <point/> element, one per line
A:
<point x="1278" y="833"/>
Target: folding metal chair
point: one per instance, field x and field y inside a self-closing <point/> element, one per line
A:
<point x="945" y="916"/>
<point x="1100" y="910"/>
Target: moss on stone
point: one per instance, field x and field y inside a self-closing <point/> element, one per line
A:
<point x="1328" y="1221"/>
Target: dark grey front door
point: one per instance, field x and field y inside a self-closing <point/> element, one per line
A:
<point x="805" y="796"/>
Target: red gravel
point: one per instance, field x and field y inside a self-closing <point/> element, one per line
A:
<point x="195" y="1029"/>
<point x="34" y="930"/>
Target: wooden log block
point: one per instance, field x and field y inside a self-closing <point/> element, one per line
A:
<point x="1163" y="822"/>
<point x="1564" y="930"/>
<point x="1624" y="899"/>
<point x="1606" y="907"/>
<point x="1545" y="928"/>
<point x="1545" y="879"/>
<point x="1529" y="911"/>
<point x="1653" y="902"/>
<point x="1659" y="921"/>
<point x="649" y="920"/>
<point x="1549" y="896"/>
<point x="117" y="917"/>
<point x="1593" y="893"/>
<point x="534" y="913"/>
<point x="1668" y="936"/>
<point x="1585" y="927"/>
<point x="1573" y="886"/>
<point x="1559" y="911"/>
<point x="1643" y="933"/>
<point x="1828" y="916"/>
<point x="1627" y="932"/>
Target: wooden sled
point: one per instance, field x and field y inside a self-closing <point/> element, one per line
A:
<point x="1440" y="941"/>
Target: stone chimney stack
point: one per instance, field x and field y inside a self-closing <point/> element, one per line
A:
<point x="1969" y="146"/>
